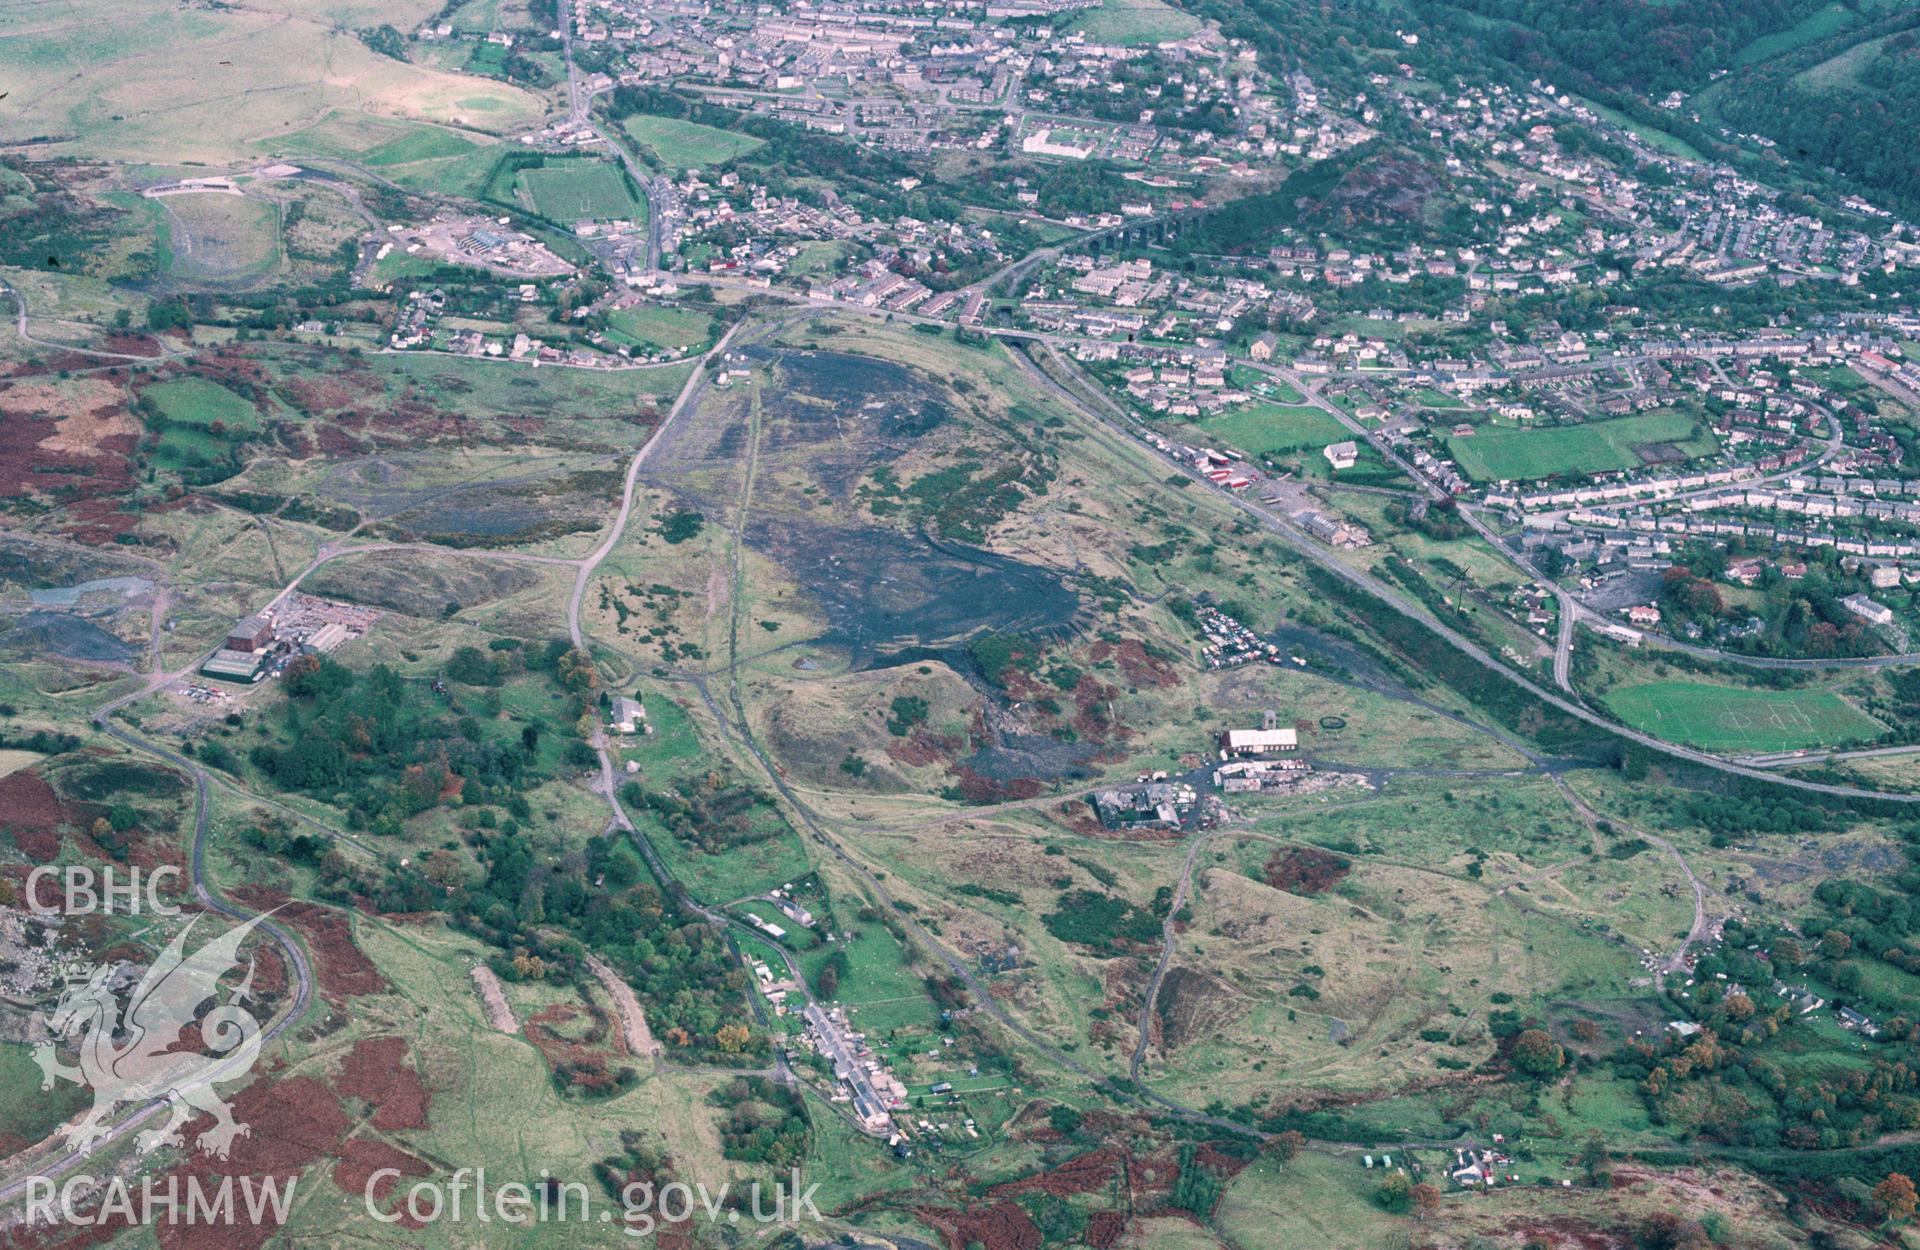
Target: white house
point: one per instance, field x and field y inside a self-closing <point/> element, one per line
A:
<point x="1867" y="610"/>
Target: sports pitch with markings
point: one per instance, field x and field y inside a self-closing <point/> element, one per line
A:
<point x="1723" y="718"/>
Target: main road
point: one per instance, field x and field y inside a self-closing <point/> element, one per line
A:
<point x="1324" y="559"/>
<point x="580" y="110"/>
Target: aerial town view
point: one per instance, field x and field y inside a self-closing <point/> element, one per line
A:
<point x="960" y="624"/>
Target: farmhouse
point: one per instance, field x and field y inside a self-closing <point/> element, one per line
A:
<point x="627" y="715"/>
<point x="792" y="910"/>
<point x="1851" y="1019"/>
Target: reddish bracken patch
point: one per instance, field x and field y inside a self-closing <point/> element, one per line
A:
<point x="1142" y="670"/>
<point x="1214" y="1161"/>
<point x="98" y="521"/>
<point x="919" y="750"/>
<point x="586" y="1062"/>
<point x="343" y="969"/>
<point x="361" y="1157"/>
<point x="1305" y="870"/>
<point x="377" y="1073"/>
<point x="1083" y="1174"/>
<point x="975" y="788"/>
<point x="27" y="469"/>
<point x="1002" y="1226"/>
<point x="269" y="970"/>
<point x="320" y="393"/>
<point x="149" y="853"/>
<point x="132" y="344"/>
<point x="32" y="813"/>
<point x="1104" y="1228"/>
<point x="1566" y="1233"/>
<point x="1152" y="1174"/>
<point x="294" y="1123"/>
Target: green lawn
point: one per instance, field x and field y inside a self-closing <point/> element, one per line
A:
<point x="1130" y="23"/>
<point x="196" y="401"/>
<point x="419" y="143"/>
<point x="880" y="991"/>
<point x="1311" y="1200"/>
<point x="1513" y="455"/>
<point x="1266" y="429"/>
<point x="199" y="421"/>
<point x="674" y="749"/>
<point x="656" y="327"/>
<point x="681" y="144"/>
<point x="819" y="257"/>
<point x="1266" y="385"/>
<point x="1652" y="136"/>
<point x="1725" y="718"/>
<point x="578" y="190"/>
<point x="489" y="59"/>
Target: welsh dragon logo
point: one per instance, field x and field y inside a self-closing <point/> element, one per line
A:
<point x="144" y="1064"/>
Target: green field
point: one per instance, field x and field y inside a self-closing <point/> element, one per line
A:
<point x="1130" y="23"/>
<point x="681" y="144"/>
<point x="198" y="402"/>
<point x="1652" y="136"/>
<point x="1510" y="455"/>
<point x="139" y="81"/>
<point x="655" y="327"/>
<point x="1265" y="429"/>
<point x="578" y="190"/>
<point x="1724" y="718"/>
<point x="374" y="140"/>
<point x="24" y="1109"/>
<point x="1822" y="24"/>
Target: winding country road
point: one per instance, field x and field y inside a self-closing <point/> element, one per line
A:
<point x="737" y="728"/>
<point x="299" y="971"/>
<point x="11" y="292"/>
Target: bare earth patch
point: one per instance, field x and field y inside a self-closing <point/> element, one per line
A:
<point x="82" y="433"/>
<point x="633" y="1021"/>
<point x="494" y="1000"/>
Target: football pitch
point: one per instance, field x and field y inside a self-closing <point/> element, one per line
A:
<point x="579" y="190"/>
<point x="1722" y="718"/>
<point x="1511" y="455"/>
